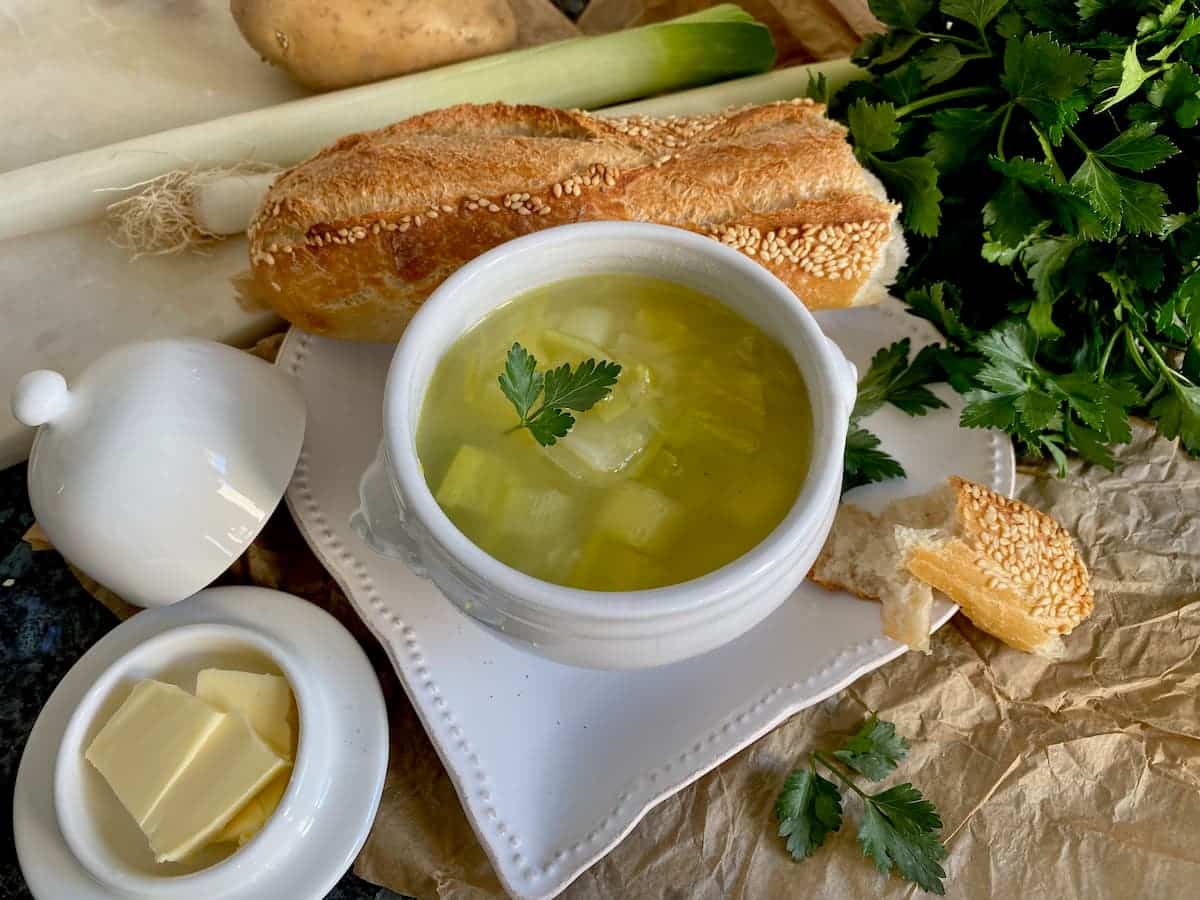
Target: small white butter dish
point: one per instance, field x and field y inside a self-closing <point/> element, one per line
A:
<point x="75" y="839"/>
<point x="103" y="836"/>
<point x="154" y="469"/>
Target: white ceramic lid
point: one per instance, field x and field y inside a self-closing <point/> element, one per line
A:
<point x="155" y="468"/>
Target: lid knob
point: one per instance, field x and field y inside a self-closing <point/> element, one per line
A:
<point x="40" y="397"/>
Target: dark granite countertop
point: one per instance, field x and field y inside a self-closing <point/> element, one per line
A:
<point x="52" y="621"/>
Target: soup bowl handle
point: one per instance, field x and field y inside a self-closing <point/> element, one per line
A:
<point x="846" y="379"/>
<point x="381" y="519"/>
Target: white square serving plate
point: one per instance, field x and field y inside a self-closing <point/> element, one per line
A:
<point x="515" y="731"/>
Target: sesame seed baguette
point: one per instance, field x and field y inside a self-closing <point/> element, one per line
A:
<point x="350" y="242"/>
<point x="1012" y="569"/>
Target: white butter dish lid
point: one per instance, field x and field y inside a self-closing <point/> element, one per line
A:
<point x="156" y="467"/>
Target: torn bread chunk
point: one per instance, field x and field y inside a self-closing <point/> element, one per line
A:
<point x="861" y="556"/>
<point x="1013" y="570"/>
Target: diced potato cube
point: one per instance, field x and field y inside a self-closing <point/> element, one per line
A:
<point x="596" y="449"/>
<point x="755" y="502"/>
<point x="639" y="380"/>
<point x="608" y="565"/>
<point x="527" y="511"/>
<point x="639" y="516"/>
<point x="475" y="482"/>
<point x="635" y="385"/>
<point x="562" y="347"/>
<point x="553" y="563"/>
<point x="590" y="323"/>
<point x="657" y="361"/>
<point x="615" y="404"/>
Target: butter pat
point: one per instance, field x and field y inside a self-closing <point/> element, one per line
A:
<point x="144" y="749"/>
<point x="234" y="765"/>
<point x="247" y="823"/>
<point x="265" y="701"/>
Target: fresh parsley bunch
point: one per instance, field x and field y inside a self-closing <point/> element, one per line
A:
<point x="899" y="830"/>
<point x="1047" y="156"/>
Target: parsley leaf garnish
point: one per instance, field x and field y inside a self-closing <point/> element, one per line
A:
<point x="562" y="389"/>
<point x="865" y="462"/>
<point x="892" y="379"/>
<point x="875" y="750"/>
<point x="808" y="809"/>
<point x="1137" y="148"/>
<point x="873" y="126"/>
<point x="1178" y="413"/>
<point x="912" y="180"/>
<point x="1021" y="396"/>
<point x="900" y="829"/>
<point x="977" y="12"/>
<point x="889" y="379"/>
<point x="1045" y="77"/>
<point x="900" y="13"/>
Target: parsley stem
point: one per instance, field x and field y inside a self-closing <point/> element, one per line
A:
<point x="1048" y="153"/>
<point x="818" y="756"/>
<point x="950" y="38"/>
<point x="1008" y="110"/>
<point x="1087" y="151"/>
<point x="1135" y="354"/>
<point x="1108" y="349"/>
<point x="933" y="99"/>
<point x="1162" y="364"/>
<point x="986" y="45"/>
<point x="1159" y="387"/>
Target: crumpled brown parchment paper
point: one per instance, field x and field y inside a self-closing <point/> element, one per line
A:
<point x="1072" y="779"/>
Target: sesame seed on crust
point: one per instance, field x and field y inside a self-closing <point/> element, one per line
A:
<point x="1026" y="552"/>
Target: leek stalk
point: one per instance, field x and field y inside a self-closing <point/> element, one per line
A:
<point x="588" y="72"/>
<point x="781" y="84"/>
<point x="183" y="209"/>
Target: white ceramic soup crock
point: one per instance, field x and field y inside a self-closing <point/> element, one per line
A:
<point x="631" y="629"/>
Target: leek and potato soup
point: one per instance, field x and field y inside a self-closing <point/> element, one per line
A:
<point x="693" y="457"/>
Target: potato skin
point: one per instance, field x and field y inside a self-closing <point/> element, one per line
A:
<point x="328" y="44"/>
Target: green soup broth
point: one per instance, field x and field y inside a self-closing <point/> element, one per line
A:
<point x="695" y="457"/>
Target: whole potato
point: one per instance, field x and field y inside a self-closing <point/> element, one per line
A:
<point x="326" y="44"/>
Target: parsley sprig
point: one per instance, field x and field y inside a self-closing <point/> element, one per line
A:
<point x="899" y="830"/>
<point x="561" y="389"/>
<point x="892" y="379"/>
<point x="1047" y="156"/>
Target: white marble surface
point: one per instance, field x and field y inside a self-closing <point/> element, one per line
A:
<point x="76" y="74"/>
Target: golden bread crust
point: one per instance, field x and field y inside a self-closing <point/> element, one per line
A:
<point x="351" y="242"/>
